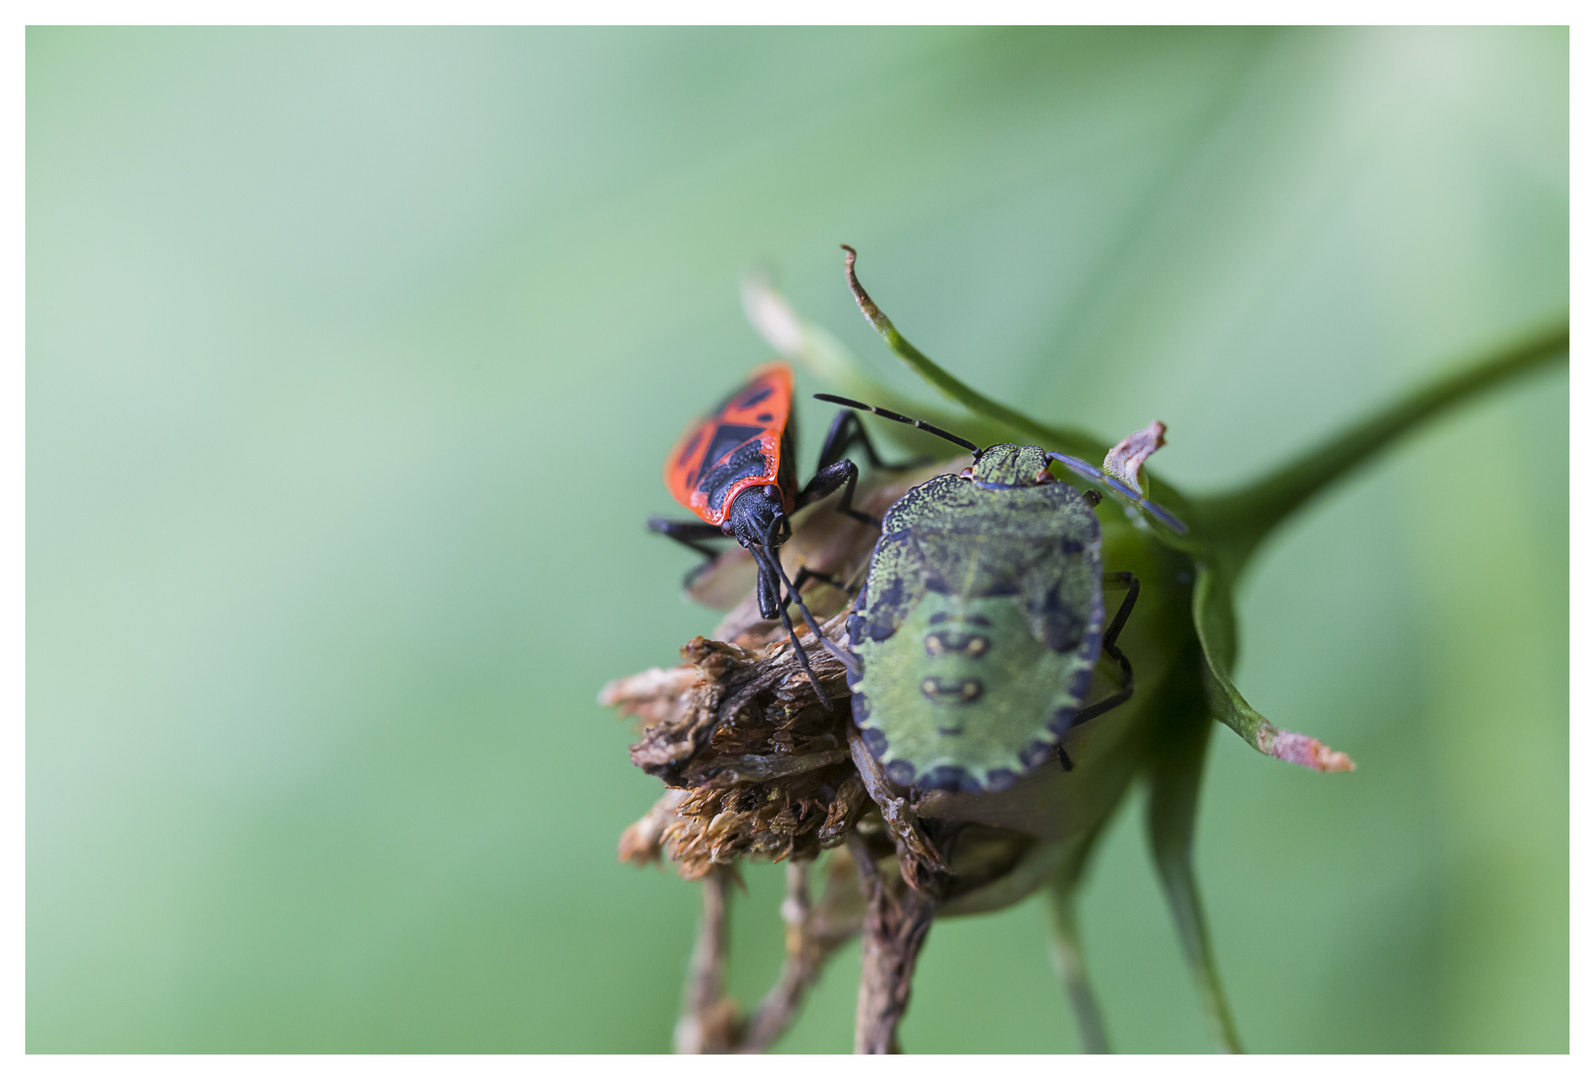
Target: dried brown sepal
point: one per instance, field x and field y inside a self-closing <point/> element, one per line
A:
<point x="923" y="866"/>
<point x="651" y="696"/>
<point x="896" y="921"/>
<point x="640" y="843"/>
<point x="762" y="766"/>
<point x="1127" y="460"/>
<point x="1299" y="749"/>
<point x="711" y="1021"/>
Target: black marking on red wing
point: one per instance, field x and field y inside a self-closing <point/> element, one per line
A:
<point x="746" y="461"/>
<point x="754" y="396"/>
<point x="727" y="437"/>
<point x="765" y="418"/>
<point x="692" y="444"/>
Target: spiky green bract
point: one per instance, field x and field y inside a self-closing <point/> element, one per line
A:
<point x="979" y="625"/>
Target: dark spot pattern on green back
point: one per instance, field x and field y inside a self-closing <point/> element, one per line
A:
<point x="969" y="590"/>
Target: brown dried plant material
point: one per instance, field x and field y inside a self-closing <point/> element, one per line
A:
<point x="758" y="765"/>
<point x="814" y="931"/>
<point x="897" y="920"/>
<point x="711" y="1022"/>
<point x="1127" y="460"/>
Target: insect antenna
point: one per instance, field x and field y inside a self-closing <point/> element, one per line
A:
<point x="1096" y="475"/>
<point x="901" y="419"/>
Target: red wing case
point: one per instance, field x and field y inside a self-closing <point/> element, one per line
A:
<point x="744" y="443"/>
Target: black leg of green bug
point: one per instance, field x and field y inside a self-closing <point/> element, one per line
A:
<point x="1110" y="647"/>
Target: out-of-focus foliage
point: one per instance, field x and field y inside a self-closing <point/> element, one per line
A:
<point x="352" y="357"/>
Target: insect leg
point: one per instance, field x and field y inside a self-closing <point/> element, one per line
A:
<point x="792" y="595"/>
<point x="765" y="559"/>
<point x="841" y="474"/>
<point x="1110" y="639"/>
<point x="690" y="534"/>
<point x="805" y="575"/>
<point x="847" y="430"/>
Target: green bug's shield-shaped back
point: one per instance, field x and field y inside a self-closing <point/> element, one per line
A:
<point x="977" y="630"/>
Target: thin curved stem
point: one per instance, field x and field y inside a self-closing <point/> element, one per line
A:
<point x="1236" y="523"/>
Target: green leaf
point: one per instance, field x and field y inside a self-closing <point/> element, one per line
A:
<point x="1213" y="610"/>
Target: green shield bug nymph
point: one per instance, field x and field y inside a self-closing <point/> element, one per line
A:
<point x="981" y="620"/>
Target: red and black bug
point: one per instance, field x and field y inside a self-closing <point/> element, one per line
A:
<point x="734" y="469"/>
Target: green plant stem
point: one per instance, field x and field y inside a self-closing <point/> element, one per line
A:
<point x="1069" y="962"/>
<point x="1234" y="524"/>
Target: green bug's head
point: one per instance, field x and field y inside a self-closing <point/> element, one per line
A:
<point x="1009" y="466"/>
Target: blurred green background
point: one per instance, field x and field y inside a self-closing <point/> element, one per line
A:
<point x="352" y="359"/>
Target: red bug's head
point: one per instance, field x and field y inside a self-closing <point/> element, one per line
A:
<point x="757" y="519"/>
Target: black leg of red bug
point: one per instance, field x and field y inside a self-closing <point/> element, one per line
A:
<point x="847" y="431"/>
<point x="770" y="562"/>
<point x="793" y="596"/>
<point x="834" y="470"/>
<point x="805" y="575"/>
<point x="840" y="474"/>
<point x="690" y="534"/>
